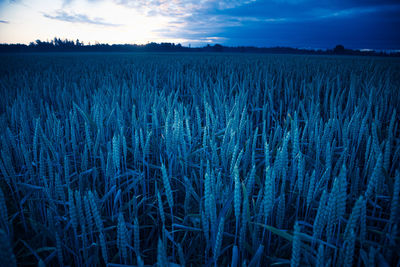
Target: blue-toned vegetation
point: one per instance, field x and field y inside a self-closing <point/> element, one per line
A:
<point x="189" y="159"/>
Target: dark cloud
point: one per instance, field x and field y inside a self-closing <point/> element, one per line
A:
<point x="364" y="31"/>
<point x="180" y="8"/>
<point x="78" y="18"/>
<point x="300" y="23"/>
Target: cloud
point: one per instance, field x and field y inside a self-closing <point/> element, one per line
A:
<point x="9" y="1"/>
<point x="355" y="11"/>
<point x="360" y="27"/>
<point x="4" y="21"/>
<point x="79" y="18"/>
<point x="300" y="23"/>
<point x="193" y="18"/>
<point x="279" y="12"/>
<point x="318" y="23"/>
<point x="181" y="8"/>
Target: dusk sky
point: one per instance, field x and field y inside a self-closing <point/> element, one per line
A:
<point x="364" y="24"/>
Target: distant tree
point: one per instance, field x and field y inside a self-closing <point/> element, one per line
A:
<point x="218" y="48"/>
<point x="59" y="45"/>
<point x="339" y="49"/>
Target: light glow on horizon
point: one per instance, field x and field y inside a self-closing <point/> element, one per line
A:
<point x="89" y="21"/>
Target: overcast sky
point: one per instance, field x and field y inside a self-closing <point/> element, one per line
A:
<point x="362" y="24"/>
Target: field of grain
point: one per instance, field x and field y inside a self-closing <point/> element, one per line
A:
<point x="199" y="160"/>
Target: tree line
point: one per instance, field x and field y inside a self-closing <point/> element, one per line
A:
<point x="59" y="45"/>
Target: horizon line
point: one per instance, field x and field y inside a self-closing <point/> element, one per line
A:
<point x="210" y="44"/>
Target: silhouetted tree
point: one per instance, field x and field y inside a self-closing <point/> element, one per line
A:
<point x="339" y="49"/>
<point x="58" y="45"/>
<point x="218" y="48"/>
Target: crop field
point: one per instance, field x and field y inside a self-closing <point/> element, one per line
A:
<point x="199" y="160"/>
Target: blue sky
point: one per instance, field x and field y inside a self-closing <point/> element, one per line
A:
<point x="362" y="24"/>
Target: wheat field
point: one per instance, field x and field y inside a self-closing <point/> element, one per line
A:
<point x="199" y="160"/>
